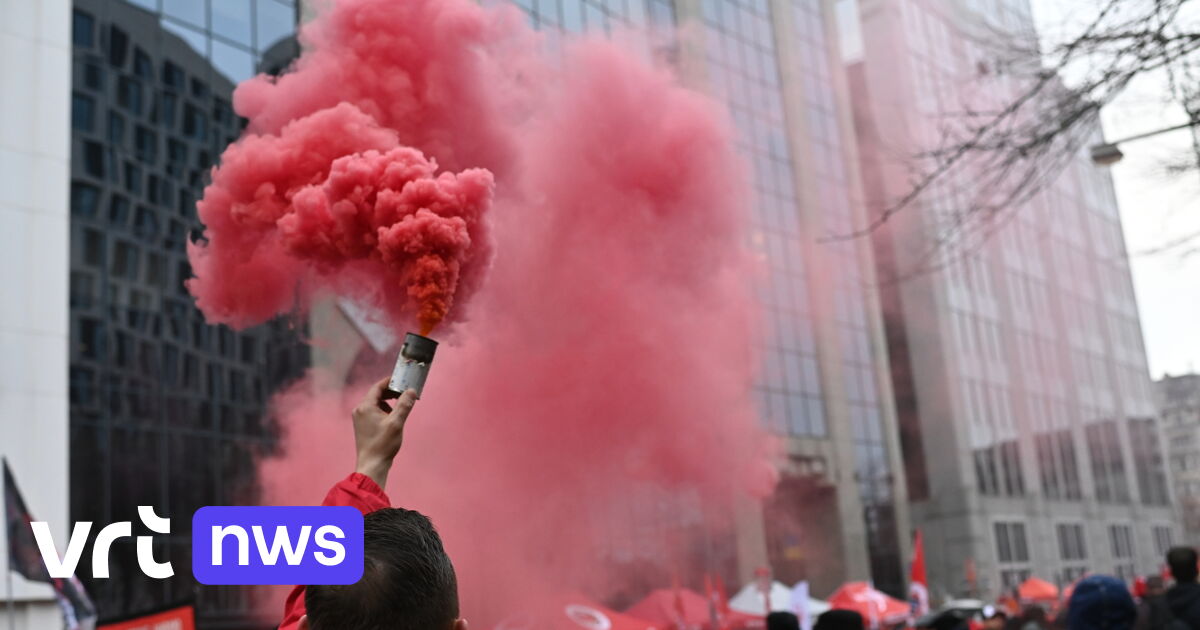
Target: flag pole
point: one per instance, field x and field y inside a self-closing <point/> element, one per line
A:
<point x="12" y="611"/>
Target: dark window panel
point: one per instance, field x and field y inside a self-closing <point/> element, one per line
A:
<point x="93" y="247"/>
<point x="143" y="67"/>
<point x="93" y="76"/>
<point x="129" y="94"/>
<point x="85" y="199"/>
<point x="145" y="144"/>
<point x="116" y="128"/>
<point x="93" y="159"/>
<point x="118" y="46"/>
<point x="83" y="29"/>
<point x="83" y="112"/>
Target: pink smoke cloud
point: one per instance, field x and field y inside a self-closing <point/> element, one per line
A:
<point x="610" y="344"/>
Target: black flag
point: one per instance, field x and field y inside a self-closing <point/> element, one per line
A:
<point x="24" y="557"/>
<point x="23" y="554"/>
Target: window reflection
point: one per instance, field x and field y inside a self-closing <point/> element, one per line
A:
<point x="231" y="19"/>
<point x="192" y="37"/>
<point x="275" y="21"/>
<point x="190" y="11"/>
<point x="235" y="63"/>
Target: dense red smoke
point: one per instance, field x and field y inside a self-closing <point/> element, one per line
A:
<point x="607" y="353"/>
<point x="333" y="200"/>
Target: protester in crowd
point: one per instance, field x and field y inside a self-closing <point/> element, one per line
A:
<point x="839" y="620"/>
<point x="780" y="620"/>
<point x="1034" y="618"/>
<point x="1153" y="613"/>
<point x="994" y="618"/>
<point x="1183" y="600"/>
<point x="1101" y="602"/>
<point x="408" y="580"/>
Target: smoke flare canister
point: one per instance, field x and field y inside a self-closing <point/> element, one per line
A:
<point x="412" y="366"/>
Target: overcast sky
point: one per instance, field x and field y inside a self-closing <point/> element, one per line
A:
<point x="1155" y="208"/>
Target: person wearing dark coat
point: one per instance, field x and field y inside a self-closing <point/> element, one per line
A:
<point x="1183" y="599"/>
<point x="839" y="620"/>
<point x="1153" y="613"/>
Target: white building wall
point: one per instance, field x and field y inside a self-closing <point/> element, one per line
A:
<point x="35" y="88"/>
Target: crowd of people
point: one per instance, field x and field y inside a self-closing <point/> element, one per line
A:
<point x="409" y="582"/>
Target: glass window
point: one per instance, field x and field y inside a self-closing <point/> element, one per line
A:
<point x="93" y="76"/>
<point x="93" y="159"/>
<point x="274" y="21"/>
<point x="231" y="19"/>
<point x="93" y="247"/>
<point x="83" y="29"/>
<point x="118" y="46"/>
<point x="116" y="128"/>
<point x="118" y="210"/>
<point x="84" y="199"/>
<point x="237" y="64"/>
<point x="142" y="66"/>
<point x="129" y="94"/>
<point x="83" y="112"/>
<point x="146" y="144"/>
<point x="189" y="11"/>
<point x="197" y="40"/>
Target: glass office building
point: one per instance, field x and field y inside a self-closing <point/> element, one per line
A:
<point x="824" y="386"/>
<point x="165" y="410"/>
<point x="1028" y="418"/>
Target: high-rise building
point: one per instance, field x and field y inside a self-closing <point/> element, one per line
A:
<point x="113" y="112"/>
<point x="840" y="510"/>
<point x="1030" y="437"/>
<point x="1179" y="408"/>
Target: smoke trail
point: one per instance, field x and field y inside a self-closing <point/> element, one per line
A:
<point x="610" y="344"/>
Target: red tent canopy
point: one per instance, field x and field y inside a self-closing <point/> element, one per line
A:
<point x="1037" y="590"/>
<point x="661" y="608"/>
<point x="875" y="606"/>
<point x="575" y="613"/>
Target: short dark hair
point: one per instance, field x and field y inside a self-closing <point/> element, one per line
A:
<point x="408" y="581"/>
<point x="782" y="620"/>
<point x="1182" y="561"/>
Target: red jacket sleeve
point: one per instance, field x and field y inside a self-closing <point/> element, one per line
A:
<point x="357" y="490"/>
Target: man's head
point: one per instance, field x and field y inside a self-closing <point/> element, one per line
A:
<point x="780" y="620"/>
<point x="408" y="582"/>
<point x="1182" y="561"/>
<point x="994" y="618"/>
<point x="839" y="620"/>
<point x="1101" y="602"/>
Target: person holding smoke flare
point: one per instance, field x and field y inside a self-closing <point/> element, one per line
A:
<point x="408" y="581"/>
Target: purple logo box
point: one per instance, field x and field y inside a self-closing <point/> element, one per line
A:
<point x="277" y="545"/>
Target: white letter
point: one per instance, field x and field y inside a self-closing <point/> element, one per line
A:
<point x="218" y="536"/>
<point x="45" y="542"/>
<point x="104" y="540"/>
<point x="145" y="553"/>
<point x="338" y="549"/>
<point x="282" y="540"/>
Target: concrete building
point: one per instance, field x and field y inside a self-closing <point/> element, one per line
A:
<point x="1029" y="431"/>
<point x="35" y="158"/>
<point x="116" y="393"/>
<point x="1179" y="407"/>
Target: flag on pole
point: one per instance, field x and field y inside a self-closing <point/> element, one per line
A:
<point x="918" y="588"/>
<point x="800" y="604"/>
<point x="23" y="555"/>
<point x="25" y="559"/>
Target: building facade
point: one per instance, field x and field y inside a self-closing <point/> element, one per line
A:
<point x="165" y="410"/>
<point x="1179" y="407"/>
<point x="35" y="157"/>
<point x="1028" y="424"/>
<point x="840" y="511"/>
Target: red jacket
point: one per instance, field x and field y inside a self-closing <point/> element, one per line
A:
<point x="358" y="491"/>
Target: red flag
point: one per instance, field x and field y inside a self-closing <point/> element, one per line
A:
<point x="972" y="578"/>
<point x="723" y="601"/>
<point x="680" y="611"/>
<point x="918" y="589"/>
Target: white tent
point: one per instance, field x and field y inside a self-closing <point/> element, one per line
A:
<point x="750" y="600"/>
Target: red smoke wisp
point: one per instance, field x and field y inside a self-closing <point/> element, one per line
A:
<point x="607" y="351"/>
<point x="334" y="200"/>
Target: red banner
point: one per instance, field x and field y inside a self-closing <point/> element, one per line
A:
<point x="182" y="618"/>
